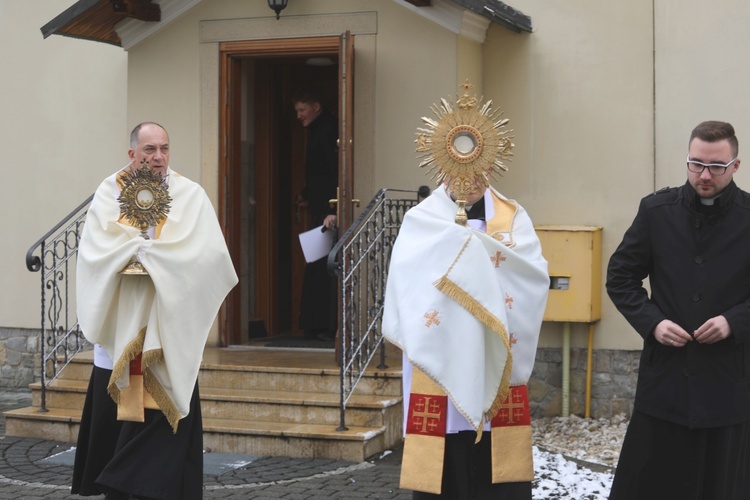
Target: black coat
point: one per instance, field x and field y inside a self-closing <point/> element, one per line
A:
<point x="698" y="265"/>
<point x="321" y="166"/>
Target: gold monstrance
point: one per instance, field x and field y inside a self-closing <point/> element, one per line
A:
<point x="144" y="202"/>
<point x="465" y="146"/>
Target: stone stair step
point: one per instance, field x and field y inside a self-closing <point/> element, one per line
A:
<point x="300" y="379"/>
<point x="266" y="403"/>
<point x="56" y="424"/>
<point x="292" y="406"/>
<point x="292" y="440"/>
<point x="279" y="406"/>
<point x="62" y="393"/>
<point x="79" y="367"/>
<point x="260" y="438"/>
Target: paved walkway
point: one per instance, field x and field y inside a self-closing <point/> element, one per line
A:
<point x="35" y="468"/>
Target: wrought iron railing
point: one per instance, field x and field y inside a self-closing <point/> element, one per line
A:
<point x="360" y="261"/>
<point x="53" y="257"/>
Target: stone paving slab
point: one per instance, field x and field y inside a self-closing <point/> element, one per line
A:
<point x="35" y="468"/>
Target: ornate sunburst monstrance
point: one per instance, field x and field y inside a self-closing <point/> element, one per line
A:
<point x="144" y="202"/>
<point x="466" y="145"/>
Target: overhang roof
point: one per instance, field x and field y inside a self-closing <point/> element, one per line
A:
<point x="97" y="20"/>
<point x="498" y="12"/>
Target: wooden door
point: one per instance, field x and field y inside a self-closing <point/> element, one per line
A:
<point x="346" y="132"/>
<point x="271" y="278"/>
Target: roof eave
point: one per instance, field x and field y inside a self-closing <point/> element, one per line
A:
<point x="64" y="18"/>
<point x="499" y="13"/>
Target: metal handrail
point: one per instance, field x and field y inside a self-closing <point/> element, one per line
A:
<point x="360" y="260"/>
<point x="61" y="336"/>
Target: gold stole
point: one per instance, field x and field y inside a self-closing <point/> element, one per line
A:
<point x="424" y="444"/>
<point x="135" y="398"/>
<point x="512" y="457"/>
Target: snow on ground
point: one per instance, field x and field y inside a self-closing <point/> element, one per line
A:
<point x="557" y="477"/>
<point x="574" y="457"/>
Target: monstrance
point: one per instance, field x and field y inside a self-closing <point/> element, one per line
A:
<point x="465" y="145"/>
<point x="144" y="202"/>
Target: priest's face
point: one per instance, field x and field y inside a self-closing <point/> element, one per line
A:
<point x="475" y="195"/>
<point x="307" y="112"/>
<point x="718" y="152"/>
<point x="152" y="146"/>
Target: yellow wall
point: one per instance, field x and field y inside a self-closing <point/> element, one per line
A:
<point x="62" y="130"/>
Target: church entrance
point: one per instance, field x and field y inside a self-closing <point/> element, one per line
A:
<point x="262" y="173"/>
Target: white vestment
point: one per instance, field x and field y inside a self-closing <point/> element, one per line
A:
<point x="481" y="330"/>
<point x="171" y="310"/>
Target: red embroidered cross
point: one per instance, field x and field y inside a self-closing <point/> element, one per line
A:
<point x="426" y="415"/>
<point x="513" y="339"/>
<point x="514" y="410"/>
<point x="508" y="300"/>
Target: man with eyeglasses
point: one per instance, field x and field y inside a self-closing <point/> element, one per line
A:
<point x="689" y="436"/>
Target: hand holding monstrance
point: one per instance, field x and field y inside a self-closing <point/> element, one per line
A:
<point x="144" y="202"/>
<point x="465" y="145"/>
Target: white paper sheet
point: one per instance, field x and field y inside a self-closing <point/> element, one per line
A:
<point x="316" y="244"/>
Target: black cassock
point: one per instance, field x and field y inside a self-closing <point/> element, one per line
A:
<point x="144" y="459"/>
<point x="662" y="460"/>
<point x="318" y="304"/>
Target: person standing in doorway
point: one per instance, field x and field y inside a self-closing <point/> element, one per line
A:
<point x="689" y="436"/>
<point x="318" y="305"/>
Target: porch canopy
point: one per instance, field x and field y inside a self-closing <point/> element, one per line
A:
<point x="124" y="22"/>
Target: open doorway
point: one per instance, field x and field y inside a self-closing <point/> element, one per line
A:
<point x="265" y="148"/>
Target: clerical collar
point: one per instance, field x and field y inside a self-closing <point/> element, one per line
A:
<point x="709" y="201"/>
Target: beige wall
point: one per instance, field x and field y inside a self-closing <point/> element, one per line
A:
<point x="601" y="97"/>
<point x="403" y="63"/>
<point x="62" y="130"/>
<point x="702" y="70"/>
<point x="578" y="92"/>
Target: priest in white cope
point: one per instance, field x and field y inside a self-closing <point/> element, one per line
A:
<point x="141" y="430"/>
<point x="465" y="304"/>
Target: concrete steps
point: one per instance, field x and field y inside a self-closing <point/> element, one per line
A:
<point x="262" y="402"/>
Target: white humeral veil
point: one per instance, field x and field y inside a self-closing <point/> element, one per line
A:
<point x="466" y="307"/>
<point x="168" y="314"/>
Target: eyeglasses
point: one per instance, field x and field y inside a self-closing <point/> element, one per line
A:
<point x="697" y="167"/>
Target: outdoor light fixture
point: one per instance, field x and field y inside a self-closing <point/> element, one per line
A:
<point x="277" y="6"/>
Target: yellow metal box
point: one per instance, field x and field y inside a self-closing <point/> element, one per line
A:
<point x="574" y="254"/>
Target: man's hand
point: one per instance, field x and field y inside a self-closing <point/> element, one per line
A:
<point x="330" y="222"/>
<point x="671" y="334"/>
<point x="713" y="330"/>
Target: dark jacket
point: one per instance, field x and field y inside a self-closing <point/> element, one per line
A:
<point x="321" y="166"/>
<point x="697" y="260"/>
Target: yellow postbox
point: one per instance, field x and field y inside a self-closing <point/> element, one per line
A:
<point x="574" y="254"/>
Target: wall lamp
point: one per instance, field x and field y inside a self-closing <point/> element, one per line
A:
<point x="277" y="6"/>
